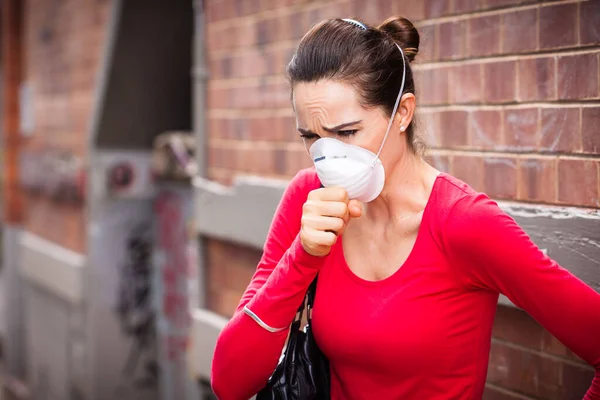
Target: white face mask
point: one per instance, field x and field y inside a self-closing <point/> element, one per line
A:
<point x="354" y="168"/>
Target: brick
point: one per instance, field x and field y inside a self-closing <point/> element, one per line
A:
<point x="219" y="128"/>
<point x="452" y="40"/>
<point x="220" y="67"/>
<point x="277" y="60"/>
<point x="297" y="159"/>
<point x="341" y="10"/>
<point x="439" y="161"/>
<point x="217" y="98"/>
<point x="516" y="326"/>
<point x="274" y="94"/>
<point x="560" y="130"/>
<point x="589" y="23"/>
<point x="521" y="128"/>
<point x="522" y="371"/>
<point x="484" y="36"/>
<point x="537" y="180"/>
<point x="284" y="27"/>
<point x="578" y="182"/>
<point x="557" y="24"/>
<point x="486" y="128"/>
<point x="214" y="11"/>
<point x="413" y="10"/>
<point x="590" y="129"/>
<point x="576" y="380"/>
<point x="250" y="7"/>
<point x="231" y="266"/>
<point x="246" y="96"/>
<point x="267" y="30"/>
<point x="501" y="3"/>
<point x="285" y="130"/>
<point x="298" y="24"/>
<point x="262" y="160"/>
<point x="437" y="8"/>
<point x="492" y="393"/>
<point x="280" y="156"/>
<point x="465" y="84"/>
<point x="250" y="64"/>
<point x="371" y="12"/>
<point x="500" y="177"/>
<point x="469" y="169"/>
<point x="429" y="122"/>
<point x="578" y="76"/>
<point x="224" y="301"/>
<point x="244" y="35"/>
<point x="259" y="128"/>
<point x="499" y="81"/>
<point x="519" y="34"/>
<point x="537" y="79"/>
<point x="454" y="128"/>
<point x="465" y="6"/>
<point x="433" y="86"/>
<point x="428" y="42"/>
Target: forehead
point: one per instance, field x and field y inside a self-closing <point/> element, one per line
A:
<point x="325" y="99"/>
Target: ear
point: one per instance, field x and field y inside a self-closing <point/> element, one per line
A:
<point x="406" y="110"/>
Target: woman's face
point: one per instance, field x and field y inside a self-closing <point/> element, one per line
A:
<point x="330" y="109"/>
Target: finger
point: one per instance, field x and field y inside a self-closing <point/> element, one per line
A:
<point x="355" y="208"/>
<point x="327" y="208"/>
<point x="334" y="193"/>
<point x="320" y="238"/>
<point x="323" y="223"/>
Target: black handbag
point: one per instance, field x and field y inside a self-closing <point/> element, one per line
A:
<point x="303" y="372"/>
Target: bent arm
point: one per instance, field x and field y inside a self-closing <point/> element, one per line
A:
<point x="249" y="347"/>
<point x="498" y="255"/>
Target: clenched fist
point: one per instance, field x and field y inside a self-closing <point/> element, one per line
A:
<point x="325" y="215"/>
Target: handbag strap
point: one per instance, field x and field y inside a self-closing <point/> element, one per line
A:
<point x="308" y="301"/>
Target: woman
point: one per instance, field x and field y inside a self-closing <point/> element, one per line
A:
<point x="410" y="260"/>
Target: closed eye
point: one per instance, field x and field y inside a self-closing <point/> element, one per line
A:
<point x="309" y="136"/>
<point x="347" y="133"/>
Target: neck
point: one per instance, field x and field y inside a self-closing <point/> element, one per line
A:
<point x="406" y="191"/>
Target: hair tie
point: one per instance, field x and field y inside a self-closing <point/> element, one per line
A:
<point x="356" y="23"/>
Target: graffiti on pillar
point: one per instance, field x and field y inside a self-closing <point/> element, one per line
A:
<point x="176" y="270"/>
<point x="135" y="309"/>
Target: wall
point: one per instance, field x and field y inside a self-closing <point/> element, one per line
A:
<point x="62" y="51"/>
<point x="508" y="101"/>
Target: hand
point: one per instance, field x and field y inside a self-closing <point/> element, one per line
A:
<point x="325" y="215"/>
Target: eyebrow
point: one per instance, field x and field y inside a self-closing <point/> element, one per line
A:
<point x="330" y="130"/>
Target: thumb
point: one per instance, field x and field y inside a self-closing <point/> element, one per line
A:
<point x="355" y="208"/>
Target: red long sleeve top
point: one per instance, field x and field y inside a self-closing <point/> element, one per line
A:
<point x="425" y="331"/>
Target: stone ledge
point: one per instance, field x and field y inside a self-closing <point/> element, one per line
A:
<point x="52" y="267"/>
<point x="569" y="235"/>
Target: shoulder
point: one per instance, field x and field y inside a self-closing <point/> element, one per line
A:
<point x="306" y="179"/>
<point x="296" y="193"/>
<point x="467" y="215"/>
<point x="298" y="188"/>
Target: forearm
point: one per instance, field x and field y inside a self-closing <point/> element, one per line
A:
<point x="246" y="353"/>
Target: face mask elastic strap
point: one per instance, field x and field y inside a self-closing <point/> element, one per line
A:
<point x="395" y="105"/>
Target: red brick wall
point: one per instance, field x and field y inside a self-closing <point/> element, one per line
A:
<point x="62" y="53"/>
<point x="508" y="101"/>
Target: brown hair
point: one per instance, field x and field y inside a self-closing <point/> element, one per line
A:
<point x="367" y="59"/>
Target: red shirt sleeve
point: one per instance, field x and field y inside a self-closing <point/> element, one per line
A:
<point x="246" y="354"/>
<point x="494" y="253"/>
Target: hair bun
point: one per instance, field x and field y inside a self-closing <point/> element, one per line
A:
<point x="404" y="33"/>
